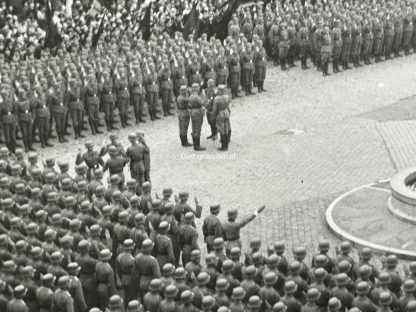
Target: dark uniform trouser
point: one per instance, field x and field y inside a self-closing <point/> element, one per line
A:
<point x="325" y="56"/>
<point x="377" y="47"/>
<point x="345" y="55"/>
<point x="60" y="123"/>
<point x="248" y="78"/>
<point x="221" y="79"/>
<point x="9" y="131"/>
<point x="103" y="296"/>
<point x="366" y="49"/>
<point x="186" y="254"/>
<point x="167" y="99"/>
<point x="137" y="171"/>
<point x="92" y="110"/>
<point x="76" y="117"/>
<point x="137" y="102"/>
<point x="151" y="99"/>
<point x="123" y="105"/>
<point x="234" y="82"/>
<point x="26" y="129"/>
<point x="260" y="74"/>
<point x="388" y="41"/>
<point x="108" y="107"/>
<point x="184" y="117"/>
<point x="407" y="37"/>
<point x="212" y="123"/>
<point x="397" y="42"/>
<point x="304" y="50"/>
<point x="197" y="117"/>
<point x="42" y="125"/>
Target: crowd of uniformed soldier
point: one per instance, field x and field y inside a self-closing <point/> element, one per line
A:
<point x="75" y="244"/>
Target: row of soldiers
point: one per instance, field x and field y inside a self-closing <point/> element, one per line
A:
<point x="63" y="89"/>
<point x="72" y="244"/>
<point x="357" y="31"/>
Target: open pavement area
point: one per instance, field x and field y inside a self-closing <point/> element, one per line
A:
<point x="294" y="148"/>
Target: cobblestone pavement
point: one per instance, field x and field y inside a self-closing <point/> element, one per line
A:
<point x="296" y="173"/>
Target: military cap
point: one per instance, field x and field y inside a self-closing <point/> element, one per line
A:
<point x="139" y="218"/>
<point x="186" y="296"/>
<point x="146" y="187"/>
<point x="69" y="200"/>
<point x="412" y="267"/>
<point x="294" y="267"/>
<point x="344" y="266"/>
<point x="19" y="151"/>
<point x="156" y="203"/>
<point x="131" y="182"/>
<point x="3" y="239"/>
<point x="31" y="228"/>
<point x="270" y="278"/>
<point x="391" y="261"/>
<point x="16" y="168"/>
<point x="50" y="177"/>
<point x="223" y="309"/>
<point x="279" y="307"/>
<point x="167" y="268"/>
<point x="168" y="208"/>
<point x="56" y="218"/>
<point x="49" y="234"/>
<point x="99" y="189"/>
<point x="123" y="216"/>
<point x="385" y="299"/>
<point x="208" y="302"/>
<point x="232" y="213"/>
<point x="19" y="290"/>
<point x="254" y="302"/>
<point x="36" y="252"/>
<point x="66" y="182"/>
<point x="215" y="208"/>
<point x="83" y="244"/>
<point x="66" y="240"/>
<point x="75" y="224"/>
<point x="36" y="172"/>
<point x="32" y="156"/>
<point x="98" y="173"/>
<point x="290" y="287"/>
<point x="183" y="89"/>
<point x="211" y="258"/>
<point x="114" y="301"/>
<point x="171" y="291"/>
<point x="21" y="245"/>
<point x="323" y="245"/>
<point x="113" y="136"/>
<point x="147" y="245"/>
<point x="313" y="294"/>
<point x="221" y="284"/>
<point x="366" y="253"/>
<point x="134" y="200"/>
<point x="105" y="255"/>
<point x="362" y="288"/>
<point x="411" y="306"/>
<point x="128" y="244"/>
<point x="189" y="216"/>
<point x="235" y="253"/>
<point x="133" y="306"/>
<point x="279" y="247"/>
<point x="106" y="210"/>
<point x="179" y="274"/>
<point x="89" y="144"/>
<point x="334" y="304"/>
<point x="164" y="226"/>
<point x="384" y="278"/>
<point x="7" y="203"/>
<point x="221" y="87"/>
<point x="47" y="278"/>
<point x="255" y="243"/>
<point x="82" y="185"/>
<point x="300" y="252"/>
<point x="365" y="270"/>
<point x="132" y="136"/>
<point x="115" y="179"/>
<point x="52" y="196"/>
<point x="273" y="260"/>
<point x="4" y="181"/>
<point x="63" y="165"/>
<point x="345" y="247"/>
<point x="155" y="285"/>
<point x="9" y="266"/>
<point x="19" y="187"/>
<point x="258" y="258"/>
<point x="15" y="221"/>
<point x="56" y="257"/>
<point x="409" y="285"/>
<point x="321" y="260"/>
<point x="50" y="161"/>
<point x="94" y="310"/>
<point x="73" y="267"/>
<point x="341" y="279"/>
<point x="95" y="229"/>
<point x="112" y="150"/>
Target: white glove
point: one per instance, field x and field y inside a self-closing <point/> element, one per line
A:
<point x="255" y="212"/>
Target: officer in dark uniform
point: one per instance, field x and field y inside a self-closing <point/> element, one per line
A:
<point x="17" y="303"/>
<point x="42" y="115"/>
<point x="235" y="71"/>
<point x="115" y="164"/>
<point x="221" y="116"/>
<point x="163" y="248"/>
<point x="188" y="237"/>
<point x="137" y="92"/>
<point x="44" y="294"/>
<point x="212" y="227"/>
<point x="184" y="115"/>
<point x="231" y="228"/>
<point x="75" y="107"/>
<point x="248" y="68"/>
<point x="87" y="272"/>
<point x="62" y="298"/>
<point x="303" y="40"/>
<point x="91" y="158"/>
<point x="8" y="120"/>
<point x="136" y="154"/>
<point x="337" y="45"/>
<point x="150" y="79"/>
<point x="197" y="116"/>
<point x="260" y="62"/>
<point x="326" y="49"/>
<point x="25" y="118"/>
<point x="124" y="266"/>
<point x="58" y="108"/>
<point x="107" y="99"/>
<point x="146" y="266"/>
<point x="166" y="87"/>
<point x="104" y="275"/>
<point x="123" y="100"/>
<point x="92" y="103"/>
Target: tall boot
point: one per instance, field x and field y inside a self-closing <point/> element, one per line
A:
<point x="223" y="143"/>
<point x="197" y="142"/>
<point x="126" y="121"/>
<point x="165" y="112"/>
<point x="45" y="140"/>
<point x="75" y="130"/>
<point x="25" y="145"/>
<point x="259" y="90"/>
<point x="155" y="116"/>
<point x="229" y="136"/>
<point x="152" y="118"/>
<point x="141" y="119"/>
<point x="326" y="68"/>
<point x="92" y="127"/>
<point x="96" y="124"/>
<point x="182" y="140"/>
<point x="334" y="66"/>
<point x="185" y="141"/>
<point x="80" y="135"/>
<point x="107" y="123"/>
